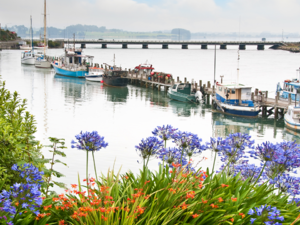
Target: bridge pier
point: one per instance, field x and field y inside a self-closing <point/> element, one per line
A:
<point x="260" y="47"/>
<point x="164" y="46"/>
<point x="124" y="46"/>
<point x="203" y="46"/>
<point x="242" y="47"/>
<point x="82" y="46"/>
<point x="145" y="46"/>
<point x="222" y="46"/>
<point x="104" y="45"/>
<point x="184" y="46"/>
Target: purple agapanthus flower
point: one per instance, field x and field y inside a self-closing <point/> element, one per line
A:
<point x="164" y="132"/>
<point x="89" y="141"/>
<point x="266" y="214"/>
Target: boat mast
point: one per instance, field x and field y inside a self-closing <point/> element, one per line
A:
<point x="31" y="34"/>
<point x="44" y="28"/>
<point x="114" y="61"/>
<point x="238" y="62"/>
<point x="215" y="67"/>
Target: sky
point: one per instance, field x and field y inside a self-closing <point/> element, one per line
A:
<point x="250" y="16"/>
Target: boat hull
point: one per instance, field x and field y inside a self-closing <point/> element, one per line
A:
<point x="182" y="97"/>
<point x="42" y="64"/>
<point x="115" y="81"/>
<point x="250" y="112"/>
<point x="69" y="73"/>
<point x="94" y="78"/>
<point x="28" y="61"/>
<point x="291" y="125"/>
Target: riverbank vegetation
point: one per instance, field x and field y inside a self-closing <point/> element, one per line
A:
<point x="6" y="35"/>
<point x="255" y="184"/>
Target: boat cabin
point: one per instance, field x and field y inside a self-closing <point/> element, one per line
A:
<point x="144" y="68"/>
<point x="234" y="94"/>
<point x="117" y="73"/>
<point x="27" y="54"/>
<point x="182" y="88"/>
<point x="294" y="113"/>
<point x="290" y="87"/>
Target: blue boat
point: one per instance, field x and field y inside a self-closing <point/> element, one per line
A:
<point x="235" y="99"/>
<point x="73" y="63"/>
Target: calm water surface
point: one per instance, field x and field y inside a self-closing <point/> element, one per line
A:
<point x="65" y="106"/>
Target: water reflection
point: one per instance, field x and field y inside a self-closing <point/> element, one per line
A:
<point x="116" y="94"/>
<point x="73" y="88"/>
<point x="184" y="109"/>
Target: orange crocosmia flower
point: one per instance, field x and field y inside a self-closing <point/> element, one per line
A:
<point x="224" y="185"/>
<point x="231" y="219"/>
<point x="220" y="199"/>
<point x="74" y="185"/>
<point x="204" y="201"/>
<point x="147" y="196"/>
<point x="171" y="171"/>
<point x="17" y="203"/>
<point x="242" y="214"/>
<point x="195" y="215"/>
<point x="184" y="206"/>
<point x="43" y="198"/>
<point x="61" y="222"/>
<point x="234" y="199"/>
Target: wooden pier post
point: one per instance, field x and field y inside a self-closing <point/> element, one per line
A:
<point x="256" y="92"/>
<point x="266" y="94"/>
<point x="196" y="86"/>
<point x="208" y="84"/>
<point x="213" y="91"/>
<point x="177" y="79"/>
<point x="173" y="82"/>
<point x="252" y="96"/>
<point x="277" y="98"/>
<point x="290" y="99"/>
<point x="185" y="80"/>
<point x="276" y="111"/>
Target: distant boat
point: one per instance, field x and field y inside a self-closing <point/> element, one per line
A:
<point x="27" y="57"/>
<point x="292" y="117"/>
<point x="42" y="62"/>
<point x="184" y="93"/>
<point x="25" y="47"/>
<point x="95" y="74"/>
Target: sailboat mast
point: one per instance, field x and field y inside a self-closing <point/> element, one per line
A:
<point x="44" y="28"/>
<point x="31" y="34"/>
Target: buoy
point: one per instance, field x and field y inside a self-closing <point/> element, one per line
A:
<point x="101" y="81"/>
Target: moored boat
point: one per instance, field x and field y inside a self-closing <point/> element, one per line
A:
<point x="27" y="57"/>
<point x="289" y="87"/>
<point x="73" y="63"/>
<point x="184" y="93"/>
<point x="292" y="117"/>
<point x="115" y="77"/>
<point x="95" y="74"/>
<point x="235" y="99"/>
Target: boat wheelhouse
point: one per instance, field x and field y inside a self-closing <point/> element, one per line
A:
<point x="184" y="93"/>
<point x="235" y="99"/>
<point x="144" y="68"/>
<point x="27" y="57"/>
<point x="115" y="77"/>
<point x="289" y="87"/>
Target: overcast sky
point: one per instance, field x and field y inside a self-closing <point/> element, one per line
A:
<point x="151" y="15"/>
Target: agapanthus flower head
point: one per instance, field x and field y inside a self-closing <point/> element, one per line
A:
<point x="149" y="147"/>
<point x="215" y="144"/>
<point x="27" y="193"/>
<point x="233" y="147"/>
<point x="287" y="184"/>
<point x="266" y="214"/>
<point x="164" y="132"/>
<point x="190" y="143"/>
<point x="89" y="141"/>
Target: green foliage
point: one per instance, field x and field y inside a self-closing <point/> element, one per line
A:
<point x="6" y="35"/>
<point x="54" y="44"/>
<point x="17" y="143"/>
<point x="56" y="145"/>
<point x="165" y="197"/>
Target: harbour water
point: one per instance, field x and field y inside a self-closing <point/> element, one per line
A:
<point x="65" y="106"/>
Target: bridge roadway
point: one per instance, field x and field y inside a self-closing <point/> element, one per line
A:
<point x="165" y="43"/>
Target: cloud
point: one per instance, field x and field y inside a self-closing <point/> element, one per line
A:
<point x="140" y="15"/>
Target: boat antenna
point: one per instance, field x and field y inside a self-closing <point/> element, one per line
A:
<point x="74" y="41"/>
<point x="114" y="60"/>
<point x="215" y="67"/>
<point x="238" y="62"/>
<point x="31" y="34"/>
<point x="44" y="28"/>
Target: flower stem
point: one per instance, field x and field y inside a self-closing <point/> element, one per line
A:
<point x="95" y="166"/>
<point x="214" y="163"/>
<point x="87" y="171"/>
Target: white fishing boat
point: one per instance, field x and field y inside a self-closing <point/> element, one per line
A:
<point x="289" y="87"/>
<point x="42" y="61"/>
<point x="27" y="57"/>
<point x="292" y="117"/>
<point x="25" y="47"/>
<point x="95" y="74"/>
<point x="235" y="99"/>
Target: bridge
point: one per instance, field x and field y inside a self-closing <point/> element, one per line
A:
<point x="165" y="43"/>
